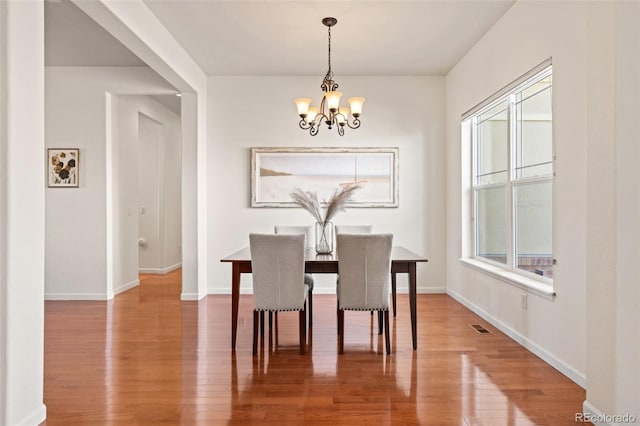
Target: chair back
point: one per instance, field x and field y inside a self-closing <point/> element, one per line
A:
<point x="364" y="267"/>
<point x="291" y="230"/>
<point x="354" y="229"/>
<point x="277" y="264"/>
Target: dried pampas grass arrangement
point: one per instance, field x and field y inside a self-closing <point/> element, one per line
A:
<point x="309" y="201"/>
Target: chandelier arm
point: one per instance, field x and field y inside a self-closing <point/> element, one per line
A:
<point x="314" y="130"/>
<point x="321" y="117"/>
<point x="355" y="125"/>
<point x="322" y="105"/>
<point x="304" y="125"/>
<point x="341" y="130"/>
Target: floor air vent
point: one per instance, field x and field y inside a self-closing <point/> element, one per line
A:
<point x="480" y="329"/>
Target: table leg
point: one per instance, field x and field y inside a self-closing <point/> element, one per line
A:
<point x="235" y="300"/>
<point x="393" y="292"/>
<point x="412" y="303"/>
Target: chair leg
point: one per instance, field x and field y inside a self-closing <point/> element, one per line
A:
<point x="338" y="317"/>
<point x="276" y="321"/>
<point x="262" y="324"/>
<point x="379" y="323"/>
<point x="310" y="302"/>
<point x="386" y="332"/>
<point x="303" y="329"/>
<point x="255" y="332"/>
<point x="340" y="331"/>
<point x="270" y="330"/>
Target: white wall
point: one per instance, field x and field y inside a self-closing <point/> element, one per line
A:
<point x="613" y="209"/>
<point x="22" y="181"/>
<point x="627" y="361"/>
<point x="526" y="35"/>
<point x="126" y="198"/>
<point x="76" y="218"/>
<point x="3" y="209"/>
<point x="404" y="112"/>
<point x="601" y="259"/>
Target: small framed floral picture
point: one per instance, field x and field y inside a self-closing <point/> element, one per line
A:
<point x="63" y="167"/>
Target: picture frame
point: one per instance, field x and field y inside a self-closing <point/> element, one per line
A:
<point x="63" y="167"/>
<point x="275" y="172"/>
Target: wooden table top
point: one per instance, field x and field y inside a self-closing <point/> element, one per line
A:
<point x="398" y="254"/>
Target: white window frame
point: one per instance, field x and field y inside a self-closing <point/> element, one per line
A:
<point x="508" y="272"/>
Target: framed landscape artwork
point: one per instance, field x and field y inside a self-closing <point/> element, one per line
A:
<point x="63" y="167"/>
<point x="275" y="172"/>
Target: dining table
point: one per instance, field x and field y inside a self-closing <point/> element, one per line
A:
<point x="402" y="261"/>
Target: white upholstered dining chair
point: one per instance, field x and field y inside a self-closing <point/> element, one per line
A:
<point x="277" y="264"/>
<point x="307" y="231"/>
<point x="368" y="229"/>
<point x="364" y="268"/>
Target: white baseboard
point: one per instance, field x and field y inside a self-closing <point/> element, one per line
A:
<point x="223" y="291"/>
<point x="35" y="418"/>
<point x="160" y="271"/>
<point x="191" y="296"/>
<point x="593" y="415"/>
<point x="170" y="268"/>
<point x="75" y="296"/>
<point x="399" y="290"/>
<point x="90" y="296"/>
<point x="126" y="287"/>
<point x="332" y="290"/>
<point x="425" y="290"/>
<point x="579" y="378"/>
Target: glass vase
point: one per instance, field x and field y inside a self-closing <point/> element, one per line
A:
<point x="324" y="237"/>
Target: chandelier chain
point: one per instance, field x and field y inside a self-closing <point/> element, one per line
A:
<point x="329" y="49"/>
<point x="328" y="78"/>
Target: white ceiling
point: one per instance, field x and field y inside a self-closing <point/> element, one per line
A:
<point x="270" y="37"/>
<point x="74" y="39"/>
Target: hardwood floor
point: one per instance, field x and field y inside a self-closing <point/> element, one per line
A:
<point x="146" y="358"/>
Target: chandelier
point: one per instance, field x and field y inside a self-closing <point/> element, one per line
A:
<point x="330" y="111"/>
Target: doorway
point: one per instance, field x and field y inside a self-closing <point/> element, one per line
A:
<point x="159" y="193"/>
<point x="144" y="190"/>
<point x="150" y="141"/>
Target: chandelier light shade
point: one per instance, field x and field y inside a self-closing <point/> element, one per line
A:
<point x="330" y="112"/>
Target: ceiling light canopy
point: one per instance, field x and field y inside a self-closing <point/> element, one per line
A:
<point x="330" y="112"/>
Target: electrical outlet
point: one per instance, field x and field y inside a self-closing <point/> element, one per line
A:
<point x="523" y="301"/>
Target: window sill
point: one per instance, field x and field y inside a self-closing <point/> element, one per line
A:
<point x="529" y="284"/>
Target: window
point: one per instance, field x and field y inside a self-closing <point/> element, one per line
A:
<point x="512" y="177"/>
